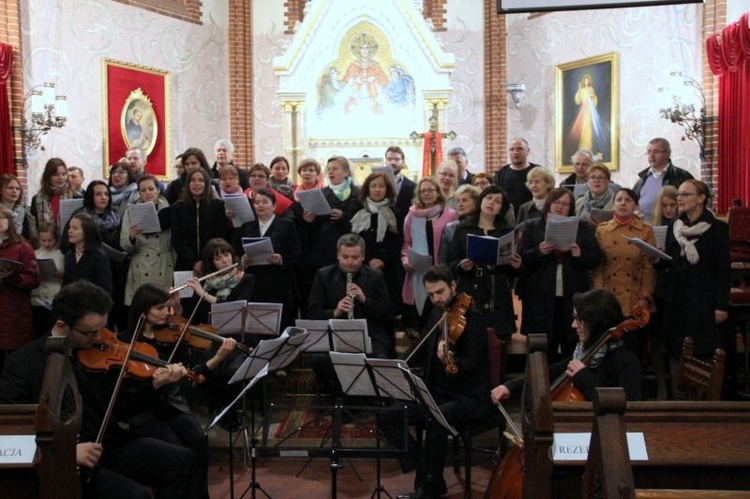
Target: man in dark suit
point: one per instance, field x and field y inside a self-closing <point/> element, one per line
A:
<point x="458" y="155"/>
<point x="124" y="465"/>
<point x="463" y="396"/>
<point x="394" y="157"/>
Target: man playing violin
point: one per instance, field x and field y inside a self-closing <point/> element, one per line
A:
<point x="462" y="396"/>
<point x="123" y="466"/>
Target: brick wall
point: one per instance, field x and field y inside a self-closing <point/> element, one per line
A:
<point x="241" y="80"/>
<point x="185" y="10"/>
<point x="294" y="12"/>
<point x="495" y="97"/>
<point x="435" y="10"/>
<point x="10" y="33"/>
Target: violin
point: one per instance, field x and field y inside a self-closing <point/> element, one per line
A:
<point x="110" y="352"/>
<point x="506" y="481"/>
<point x="453" y="327"/>
<point x="200" y="337"/>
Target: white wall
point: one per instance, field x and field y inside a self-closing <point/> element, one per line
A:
<point x="66" y="40"/>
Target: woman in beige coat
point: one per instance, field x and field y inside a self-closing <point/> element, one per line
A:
<point x="625" y="270"/>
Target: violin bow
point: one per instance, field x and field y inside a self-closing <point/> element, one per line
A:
<point x="185" y="328"/>
<point x="429" y="333"/>
<point x="123" y="370"/>
<point x="515" y="435"/>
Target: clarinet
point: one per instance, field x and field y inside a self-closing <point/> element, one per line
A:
<point x="350" y="313"/>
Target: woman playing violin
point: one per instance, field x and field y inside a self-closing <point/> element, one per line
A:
<point x="613" y="365"/>
<point x="170" y="420"/>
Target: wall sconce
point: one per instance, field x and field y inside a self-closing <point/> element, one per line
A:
<point x="48" y="110"/>
<point x="690" y="116"/>
<point x="516" y="91"/>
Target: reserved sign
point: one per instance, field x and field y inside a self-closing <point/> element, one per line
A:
<point x="17" y="449"/>
<point x="575" y="446"/>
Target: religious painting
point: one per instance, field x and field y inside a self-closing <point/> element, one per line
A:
<point x="587" y="111"/>
<point x="136" y="114"/>
<point x="365" y="87"/>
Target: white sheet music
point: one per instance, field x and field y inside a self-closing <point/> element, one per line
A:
<point x="317" y="335"/>
<point x="229" y="317"/>
<point x="352" y="373"/>
<point x="67" y="207"/>
<point x="179" y="278"/>
<point x="240" y="208"/>
<point x="263" y="372"/>
<point x="387" y="170"/>
<point x="647" y="248"/>
<point x="561" y="232"/>
<point x="389" y="379"/>
<point x="426" y="397"/>
<point x="143" y="215"/>
<point x="419" y="261"/>
<point x="258" y="251"/>
<point x="660" y="234"/>
<point x="350" y="336"/>
<point x="259" y="359"/>
<point x="289" y="350"/>
<point x="263" y="318"/>
<point x="314" y="201"/>
<point x="580" y="190"/>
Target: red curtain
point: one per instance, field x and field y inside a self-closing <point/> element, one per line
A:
<point x="6" y="134"/>
<point x="729" y="57"/>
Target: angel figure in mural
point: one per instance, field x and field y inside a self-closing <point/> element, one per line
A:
<point x="588" y="130"/>
<point x="365" y="79"/>
<point x="400" y="88"/>
<point x="329" y="88"/>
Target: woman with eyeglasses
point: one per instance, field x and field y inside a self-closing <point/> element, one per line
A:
<point x="423" y="228"/>
<point x="550" y="277"/>
<point x="258" y="176"/>
<point x="447" y="177"/>
<point x="626" y="271"/>
<point x="122" y="187"/>
<point x="488" y="284"/>
<point x="696" y="296"/>
<point x="600" y="195"/>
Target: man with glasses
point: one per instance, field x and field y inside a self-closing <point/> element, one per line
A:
<point x="660" y="172"/>
<point x="582" y="159"/>
<point x="258" y="175"/>
<point x="122" y="465"/>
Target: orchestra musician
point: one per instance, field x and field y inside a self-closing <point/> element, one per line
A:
<point x="613" y="365"/>
<point x="462" y="397"/>
<point x="123" y="465"/>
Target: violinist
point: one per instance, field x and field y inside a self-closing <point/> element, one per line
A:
<point x="170" y="418"/>
<point x="124" y="465"/>
<point x="613" y="365"/>
<point x="462" y="396"/>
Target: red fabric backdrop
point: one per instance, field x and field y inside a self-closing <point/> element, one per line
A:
<point x="729" y="57"/>
<point x="120" y="82"/>
<point x="6" y="134"/>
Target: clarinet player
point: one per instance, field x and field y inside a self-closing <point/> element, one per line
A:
<point x="349" y="289"/>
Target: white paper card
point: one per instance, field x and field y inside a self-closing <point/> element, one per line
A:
<point x="143" y="216"/>
<point x="575" y="446"/>
<point x="660" y="234"/>
<point x="179" y="279"/>
<point x="240" y="208"/>
<point x="17" y="449"/>
<point x="647" y="248"/>
<point x="561" y="232"/>
<point x="314" y="201"/>
<point x="67" y="207"/>
<point x="419" y="261"/>
<point x="258" y="251"/>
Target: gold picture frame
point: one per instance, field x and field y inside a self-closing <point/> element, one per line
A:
<point x="587" y="110"/>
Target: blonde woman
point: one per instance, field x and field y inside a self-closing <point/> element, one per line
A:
<point x="539" y="181"/>
<point x="447" y="177"/>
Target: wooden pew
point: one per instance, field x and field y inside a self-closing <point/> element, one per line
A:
<point x="608" y="473"/>
<point x="690" y="445"/>
<point x="55" y="422"/>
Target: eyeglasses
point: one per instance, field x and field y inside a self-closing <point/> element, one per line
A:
<point x="686" y="194"/>
<point x="89" y="334"/>
<point x="427" y="191"/>
<point x="597" y="177"/>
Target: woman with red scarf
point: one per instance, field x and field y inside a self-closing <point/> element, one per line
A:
<point x="45" y="205"/>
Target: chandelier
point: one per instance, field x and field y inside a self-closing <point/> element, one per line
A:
<point x="48" y="110"/>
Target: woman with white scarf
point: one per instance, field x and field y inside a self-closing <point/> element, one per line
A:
<point x="696" y="298"/>
<point x="423" y="228"/>
<point x="377" y="224"/>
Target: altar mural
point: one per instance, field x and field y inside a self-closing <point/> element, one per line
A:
<point x="365" y="85"/>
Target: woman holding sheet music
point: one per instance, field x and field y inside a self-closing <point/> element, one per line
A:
<point x="626" y="271"/>
<point x="274" y="278"/>
<point x="45" y="205"/>
<point x="488" y="284"/>
<point x="151" y="254"/>
<point x="551" y="277"/>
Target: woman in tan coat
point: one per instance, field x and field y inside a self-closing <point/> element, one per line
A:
<point x="625" y="270"/>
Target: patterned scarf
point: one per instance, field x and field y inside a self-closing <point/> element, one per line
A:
<point x="109" y="220"/>
<point x="386" y="219"/>
<point x="343" y="190"/>
<point x="221" y="286"/>
<point x="598" y="357"/>
<point x="599" y="203"/>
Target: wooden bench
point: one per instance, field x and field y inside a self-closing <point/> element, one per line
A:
<point x="690" y="445"/>
<point x="54" y="422"/>
<point x="609" y="473"/>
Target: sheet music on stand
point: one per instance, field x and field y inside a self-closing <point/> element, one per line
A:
<point x="260" y="375"/>
<point x="259" y="359"/>
<point x="263" y="318"/>
<point x="390" y="380"/>
<point x="350" y="336"/>
<point x="229" y="317"/>
<point x="317" y="339"/>
<point x="424" y="396"/>
<point x="351" y="369"/>
<point x="289" y="350"/>
<point x="364" y="376"/>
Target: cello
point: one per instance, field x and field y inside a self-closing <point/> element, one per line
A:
<point x="506" y="481"/>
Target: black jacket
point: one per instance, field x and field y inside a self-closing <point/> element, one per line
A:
<point x="192" y="226"/>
